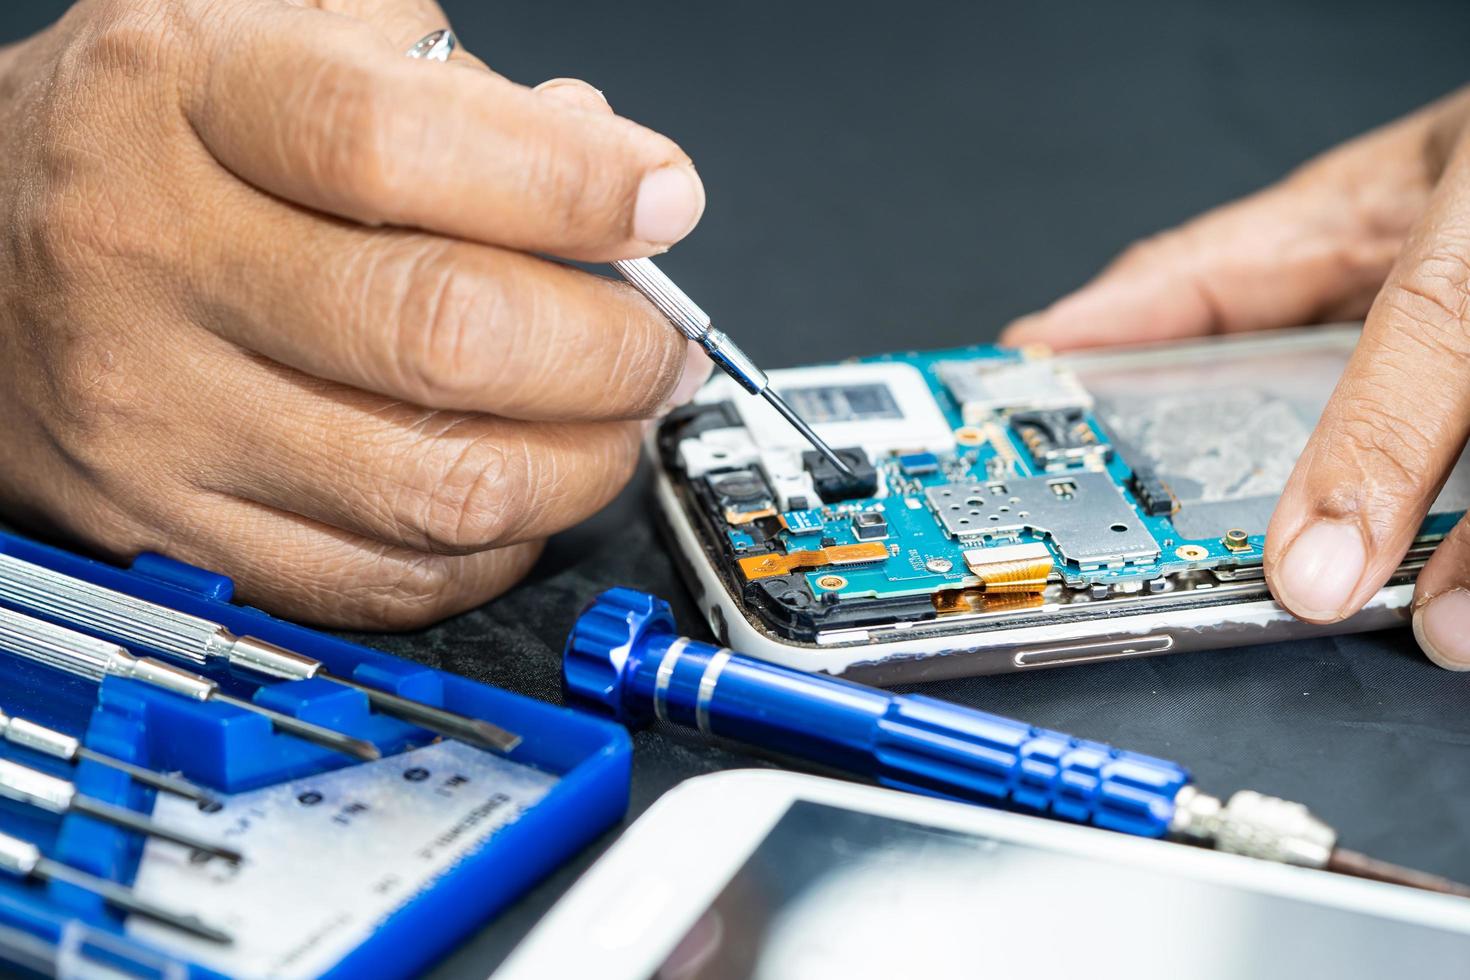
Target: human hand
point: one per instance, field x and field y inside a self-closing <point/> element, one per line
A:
<point x="271" y="301"/>
<point x="1377" y="227"/>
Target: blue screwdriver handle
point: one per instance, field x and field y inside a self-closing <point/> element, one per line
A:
<point x="626" y="659"/>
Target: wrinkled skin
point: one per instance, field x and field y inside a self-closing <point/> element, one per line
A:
<point x="1377" y="228"/>
<point x="273" y="300"/>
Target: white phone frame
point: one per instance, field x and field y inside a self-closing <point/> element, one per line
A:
<point x="910" y="652"/>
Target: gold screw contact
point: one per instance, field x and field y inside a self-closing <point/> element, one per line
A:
<point x="968" y="435"/>
<point x="1236" y="539"/>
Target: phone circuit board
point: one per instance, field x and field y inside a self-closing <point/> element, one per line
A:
<point x="988" y="481"/>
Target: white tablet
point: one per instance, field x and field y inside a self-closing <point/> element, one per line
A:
<point x="782" y="876"/>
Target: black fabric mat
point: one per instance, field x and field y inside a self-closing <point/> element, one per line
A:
<point x="886" y="175"/>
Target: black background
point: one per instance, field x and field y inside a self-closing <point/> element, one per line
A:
<point x="898" y="175"/>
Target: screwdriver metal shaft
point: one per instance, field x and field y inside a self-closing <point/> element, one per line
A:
<point x="92" y="658"/>
<point x="137" y="622"/>
<point x="59" y="745"/>
<point x="676" y="306"/>
<point x="695" y="324"/>
<point x="23" y="859"/>
<point x="55" y="795"/>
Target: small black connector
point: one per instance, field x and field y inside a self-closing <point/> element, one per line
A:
<point x="832" y="484"/>
<point x="1153" y="494"/>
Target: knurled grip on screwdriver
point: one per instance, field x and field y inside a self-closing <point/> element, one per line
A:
<point x="938" y="748"/>
<point x="49" y="644"/>
<point x="140" y="623"/>
<point x="625" y="658"/>
<point x="671" y="301"/>
<point x="692" y="322"/>
<point x="122" y="617"/>
<point x="86" y="656"/>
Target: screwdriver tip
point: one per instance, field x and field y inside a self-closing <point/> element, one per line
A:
<point x="163" y="782"/>
<point x="472" y="731"/>
<point x="494" y="737"/>
<point x="797" y="422"/>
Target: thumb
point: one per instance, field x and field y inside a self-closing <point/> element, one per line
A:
<point x="574" y="92"/>
<point x="1314" y="247"/>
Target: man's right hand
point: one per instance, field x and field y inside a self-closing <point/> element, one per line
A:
<point x="272" y="301"/>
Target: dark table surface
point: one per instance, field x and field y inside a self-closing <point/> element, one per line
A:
<point x="892" y="175"/>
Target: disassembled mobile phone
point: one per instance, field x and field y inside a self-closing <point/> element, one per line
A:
<point x="1009" y="509"/>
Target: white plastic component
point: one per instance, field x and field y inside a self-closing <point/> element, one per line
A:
<point x="921" y="425"/>
<point x="716" y="450"/>
<point x="798" y="484"/>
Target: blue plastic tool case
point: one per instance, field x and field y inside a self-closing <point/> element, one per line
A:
<point x="231" y="750"/>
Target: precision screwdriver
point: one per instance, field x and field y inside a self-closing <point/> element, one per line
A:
<point x="23" y="859"/>
<point x="134" y="621"/>
<point x="92" y="658"/>
<point x="695" y="324"/>
<point x="55" y="795"/>
<point x="626" y="659"/>
<point x="676" y="306"/>
<point x="59" y="745"/>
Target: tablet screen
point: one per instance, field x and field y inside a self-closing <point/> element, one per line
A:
<point x="837" y="892"/>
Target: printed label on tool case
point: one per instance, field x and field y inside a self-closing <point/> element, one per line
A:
<point x="329" y="857"/>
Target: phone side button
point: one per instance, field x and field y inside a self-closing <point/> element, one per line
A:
<point x="1105" y="648"/>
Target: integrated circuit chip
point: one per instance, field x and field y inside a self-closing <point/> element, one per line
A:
<point x="918" y="464"/>
<point x="803" y="521"/>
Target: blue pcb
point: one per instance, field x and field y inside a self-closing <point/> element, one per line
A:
<point x="803" y="522"/>
<point x="1026" y="441"/>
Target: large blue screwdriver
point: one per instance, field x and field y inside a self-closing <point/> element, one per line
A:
<point x="626" y="659"/>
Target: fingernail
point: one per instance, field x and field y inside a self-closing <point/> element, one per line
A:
<point x="1442" y="627"/>
<point x="670" y="201"/>
<point x="1321" y="569"/>
<point x="573" y="91"/>
<point x="697" y="368"/>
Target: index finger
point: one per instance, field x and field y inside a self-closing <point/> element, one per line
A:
<point x="1393" y="429"/>
<point x="320" y="109"/>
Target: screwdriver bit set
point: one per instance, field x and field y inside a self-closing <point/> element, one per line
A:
<point x="189" y="787"/>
